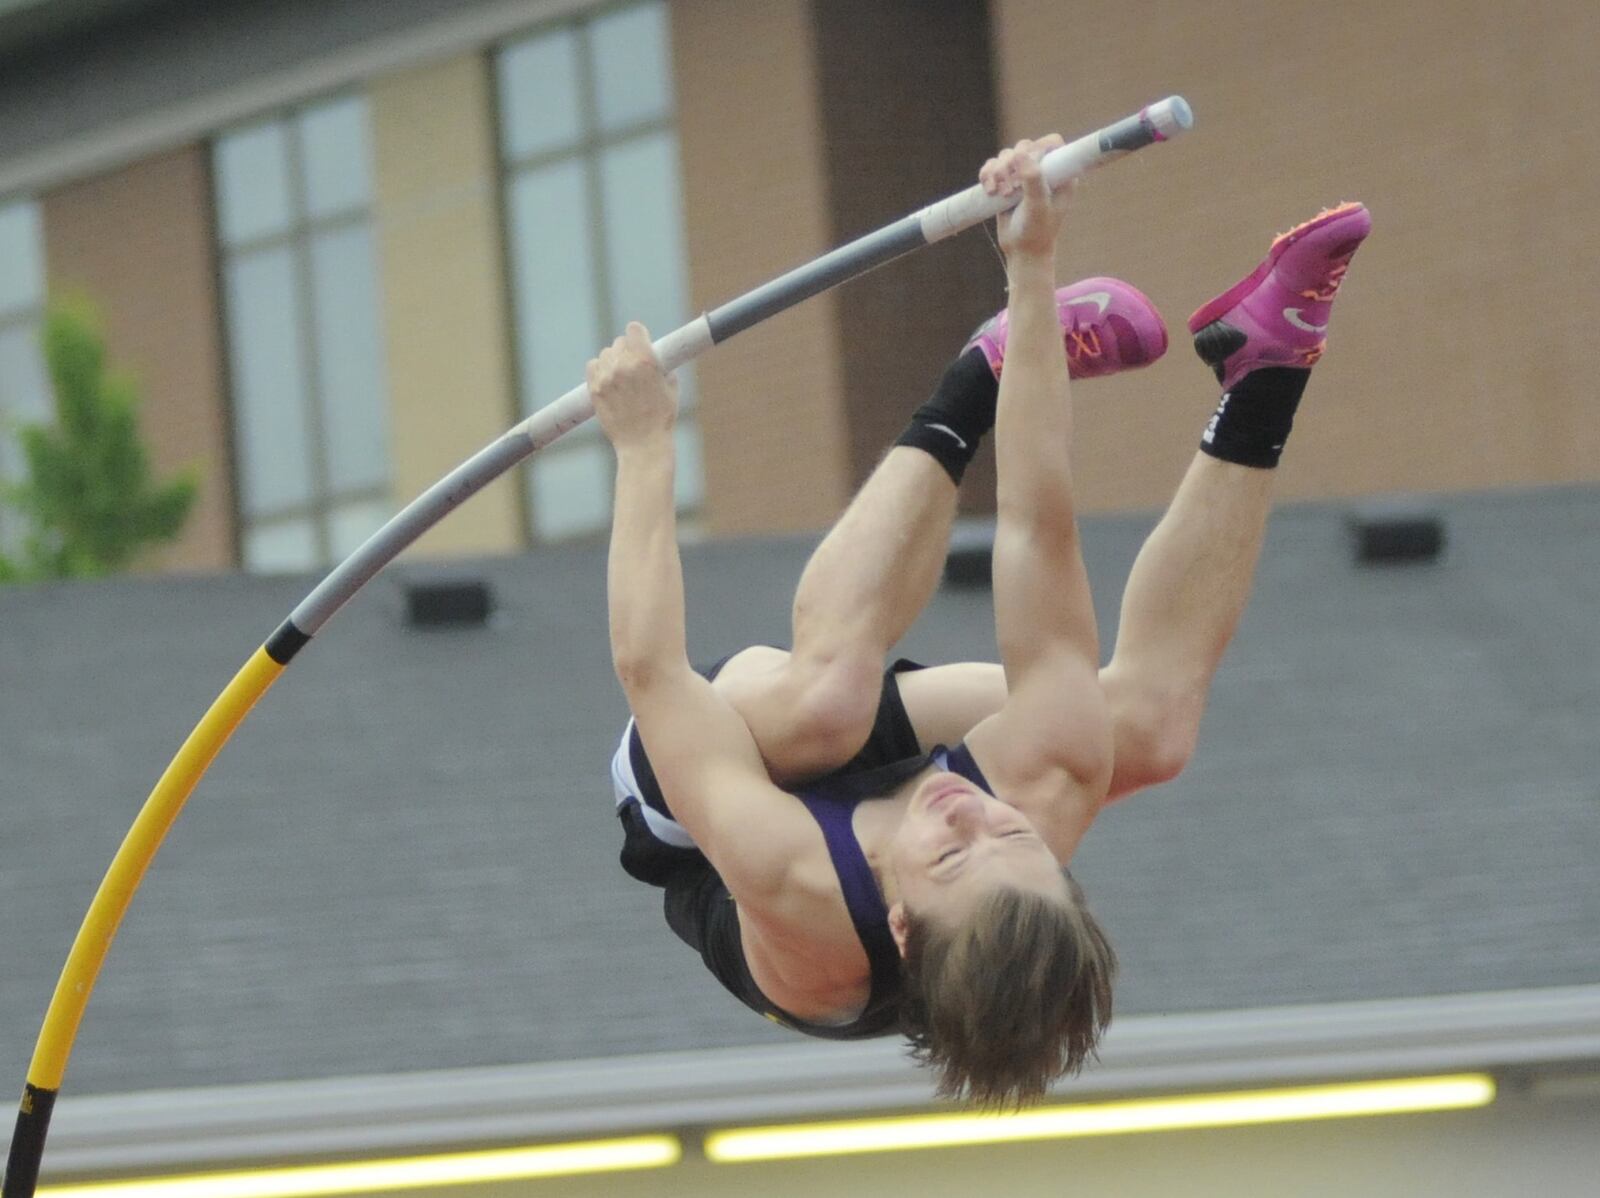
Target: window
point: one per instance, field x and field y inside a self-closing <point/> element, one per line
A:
<point x="300" y="294"/>
<point x="25" y="396"/>
<point x="595" y="229"/>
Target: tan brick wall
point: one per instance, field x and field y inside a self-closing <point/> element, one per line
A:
<point x="755" y="201"/>
<point x="137" y="243"/>
<point x="1463" y="353"/>
<point x="442" y="265"/>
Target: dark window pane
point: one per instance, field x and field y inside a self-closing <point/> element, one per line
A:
<point x="632" y="64"/>
<point x="282" y="547"/>
<point x="355" y="418"/>
<point x="21" y="258"/>
<point x="538" y="81"/>
<point x="552" y="270"/>
<point x="571" y="489"/>
<point x="268" y="371"/>
<point x="252" y="177"/>
<point x="644" y="232"/>
<point x="336" y="157"/>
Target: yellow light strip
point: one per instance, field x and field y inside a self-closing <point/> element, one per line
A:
<point x="386" y="1176"/>
<point x="1102" y="1119"/>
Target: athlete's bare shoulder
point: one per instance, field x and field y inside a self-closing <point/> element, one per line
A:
<point x="803" y="951"/>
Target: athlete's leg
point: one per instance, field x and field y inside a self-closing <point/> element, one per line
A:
<point x="1183" y="600"/>
<point x="1192" y="579"/>
<point x="812" y="709"/>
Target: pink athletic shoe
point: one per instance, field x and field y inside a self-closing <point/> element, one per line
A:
<point x="1279" y="314"/>
<point x="1106" y="326"/>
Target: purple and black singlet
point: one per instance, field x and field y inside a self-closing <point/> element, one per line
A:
<point x="699" y="907"/>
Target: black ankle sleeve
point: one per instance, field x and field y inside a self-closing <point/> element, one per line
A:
<point x="952" y="424"/>
<point x="1252" y="421"/>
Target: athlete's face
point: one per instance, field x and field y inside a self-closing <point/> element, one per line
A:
<point x="957" y="844"/>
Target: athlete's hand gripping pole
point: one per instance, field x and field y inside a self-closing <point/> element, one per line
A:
<point x="934" y="223"/>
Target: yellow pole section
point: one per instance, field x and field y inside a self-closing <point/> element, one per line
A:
<point x="127" y="869"/>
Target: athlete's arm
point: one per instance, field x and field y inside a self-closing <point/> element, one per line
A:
<point x="1048" y="749"/>
<point x="945" y="703"/>
<point x="702" y="752"/>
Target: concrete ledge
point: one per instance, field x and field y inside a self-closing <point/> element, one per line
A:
<point x="1521" y="1031"/>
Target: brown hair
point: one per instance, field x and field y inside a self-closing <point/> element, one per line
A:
<point x="1014" y="998"/>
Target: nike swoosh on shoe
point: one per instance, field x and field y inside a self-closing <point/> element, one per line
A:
<point x="1292" y="315"/>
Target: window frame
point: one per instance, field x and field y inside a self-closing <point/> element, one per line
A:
<point x="297" y="237"/>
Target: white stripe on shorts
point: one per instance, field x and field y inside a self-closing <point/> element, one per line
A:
<point x="625" y="784"/>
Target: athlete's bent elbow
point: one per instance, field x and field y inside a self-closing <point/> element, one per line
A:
<point x="637" y="672"/>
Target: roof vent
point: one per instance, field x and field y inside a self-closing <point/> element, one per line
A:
<point x="1396" y="533"/>
<point x="455" y="602"/>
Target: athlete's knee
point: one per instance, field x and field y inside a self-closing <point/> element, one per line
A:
<point x="836" y="702"/>
<point x="1155" y="727"/>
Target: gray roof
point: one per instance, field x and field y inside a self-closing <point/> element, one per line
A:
<point x="406" y="858"/>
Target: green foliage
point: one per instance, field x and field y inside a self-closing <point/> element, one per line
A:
<point x="89" y="499"/>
